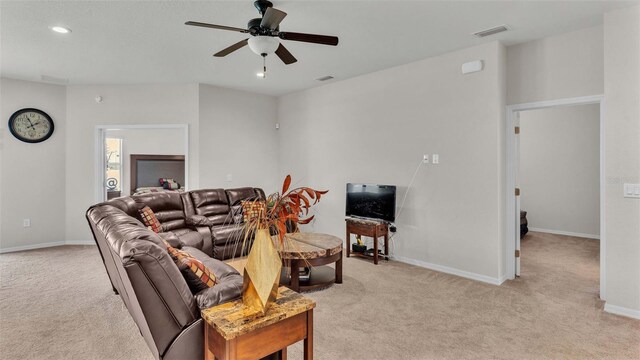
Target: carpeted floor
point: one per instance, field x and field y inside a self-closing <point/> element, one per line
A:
<point x="57" y="303"/>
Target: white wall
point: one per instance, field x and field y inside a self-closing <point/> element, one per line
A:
<point x="603" y="60"/>
<point x="556" y="67"/>
<point x="560" y="169"/>
<point x="149" y="142"/>
<point x="622" y="158"/>
<point x="238" y="138"/>
<point x="123" y="104"/>
<point x="375" y="129"/>
<point x="32" y="175"/>
<point x="235" y="133"/>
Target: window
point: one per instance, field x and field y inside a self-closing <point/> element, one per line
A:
<point x="113" y="174"/>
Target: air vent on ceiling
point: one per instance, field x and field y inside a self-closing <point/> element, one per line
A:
<point x="325" y="78"/>
<point x="492" y="31"/>
<point x="53" y="79"/>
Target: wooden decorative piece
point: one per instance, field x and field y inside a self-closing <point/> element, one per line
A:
<point x="262" y="273"/>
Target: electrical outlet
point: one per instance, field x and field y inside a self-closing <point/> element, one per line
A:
<point x="632" y="190"/>
<point x="26" y="222"/>
<point x="425" y="158"/>
<point x="229" y="177"/>
<point x="435" y="159"/>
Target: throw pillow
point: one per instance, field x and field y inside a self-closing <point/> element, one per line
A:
<point x="197" y="275"/>
<point x="253" y="209"/>
<point x="169" y="184"/>
<point x="150" y="220"/>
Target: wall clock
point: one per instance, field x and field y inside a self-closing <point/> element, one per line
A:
<point x="31" y="125"/>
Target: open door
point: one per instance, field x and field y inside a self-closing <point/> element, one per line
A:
<point x="517" y="191"/>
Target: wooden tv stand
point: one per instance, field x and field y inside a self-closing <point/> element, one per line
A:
<point x="371" y="228"/>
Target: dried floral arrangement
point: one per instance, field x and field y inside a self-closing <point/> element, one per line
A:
<point x="282" y="211"/>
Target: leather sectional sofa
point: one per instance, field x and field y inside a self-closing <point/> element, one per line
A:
<point x="206" y="224"/>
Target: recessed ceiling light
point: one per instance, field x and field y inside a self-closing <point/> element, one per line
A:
<point x="60" y="29"/>
<point x="260" y="75"/>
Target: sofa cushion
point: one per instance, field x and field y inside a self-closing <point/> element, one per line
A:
<point x="198" y="276"/>
<point x="189" y="237"/>
<point x="167" y="207"/>
<point x="227" y="234"/>
<point x="150" y="220"/>
<point x="213" y="204"/>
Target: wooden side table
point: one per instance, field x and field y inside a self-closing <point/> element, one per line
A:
<point x="374" y="229"/>
<point x="235" y="332"/>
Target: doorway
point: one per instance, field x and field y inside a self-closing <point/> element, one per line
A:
<point x="116" y="145"/>
<point x="513" y="251"/>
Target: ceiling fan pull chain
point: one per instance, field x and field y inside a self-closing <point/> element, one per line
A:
<point x="264" y="65"/>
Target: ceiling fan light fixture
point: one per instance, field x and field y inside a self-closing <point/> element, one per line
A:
<point x="263" y="45"/>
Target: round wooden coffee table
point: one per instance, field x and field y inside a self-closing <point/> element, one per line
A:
<point x="315" y="250"/>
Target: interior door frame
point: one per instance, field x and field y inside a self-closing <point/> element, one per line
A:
<point x="99" y="170"/>
<point x="512" y="166"/>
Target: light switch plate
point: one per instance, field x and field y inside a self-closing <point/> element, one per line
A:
<point x="435" y="159"/>
<point x="632" y="191"/>
<point x="26" y="222"/>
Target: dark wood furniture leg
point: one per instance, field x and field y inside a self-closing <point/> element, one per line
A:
<point x="386" y="245"/>
<point x="348" y="242"/>
<point x="339" y="270"/>
<point x="375" y="246"/>
<point x="295" y="275"/>
<point x="308" y="341"/>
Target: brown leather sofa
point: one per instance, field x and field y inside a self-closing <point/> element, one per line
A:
<point x="206" y="223"/>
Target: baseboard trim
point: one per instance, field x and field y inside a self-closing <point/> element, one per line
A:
<point x="567" y="233"/>
<point x="619" y="310"/>
<point x="46" y="245"/>
<point x="450" y="270"/>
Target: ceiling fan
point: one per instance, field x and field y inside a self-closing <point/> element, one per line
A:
<point x="265" y="32"/>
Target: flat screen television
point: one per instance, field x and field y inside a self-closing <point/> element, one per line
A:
<point x="371" y="201"/>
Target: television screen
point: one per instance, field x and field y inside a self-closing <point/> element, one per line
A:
<point x="371" y="201"/>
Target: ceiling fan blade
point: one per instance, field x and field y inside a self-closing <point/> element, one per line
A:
<point x="285" y="55"/>
<point x="219" y="27"/>
<point x="272" y="18"/>
<point x="310" y="38"/>
<point x="232" y="48"/>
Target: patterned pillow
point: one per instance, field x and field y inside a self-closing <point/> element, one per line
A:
<point x="253" y="209"/>
<point x="150" y="220"/>
<point x="169" y="184"/>
<point x="197" y="275"/>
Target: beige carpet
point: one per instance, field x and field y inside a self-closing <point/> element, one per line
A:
<point x="57" y="304"/>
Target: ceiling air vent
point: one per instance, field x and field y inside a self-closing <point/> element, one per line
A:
<point x="325" y="78"/>
<point x="492" y="31"/>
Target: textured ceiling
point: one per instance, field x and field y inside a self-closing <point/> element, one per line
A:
<point x="140" y="42"/>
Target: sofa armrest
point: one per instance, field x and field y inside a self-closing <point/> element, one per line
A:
<point x="198" y="220"/>
<point x="172" y="239"/>
<point x="207" y="241"/>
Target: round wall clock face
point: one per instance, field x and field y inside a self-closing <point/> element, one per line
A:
<point x="31" y="125"/>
